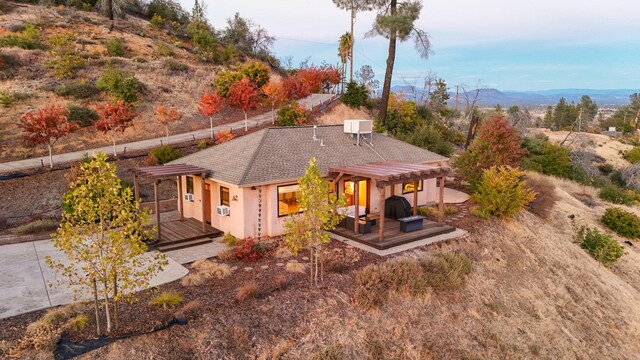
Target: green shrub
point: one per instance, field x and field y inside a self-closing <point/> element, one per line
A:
<point x="602" y="246"/>
<point x="173" y="65"/>
<point x="225" y="79"/>
<point x="37" y="226"/>
<point x="428" y="137"/>
<point x="204" y="38"/>
<point x="230" y="240"/>
<point x="82" y="115"/>
<point x="64" y="59"/>
<point x="167" y="299"/>
<point x="633" y="155"/>
<point x="624" y="223"/>
<point x="164" y="154"/>
<point x="202" y="144"/>
<point x="502" y="192"/>
<point x="163" y="49"/>
<point x="618" y="195"/>
<point x="256" y="72"/>
<point x="546" y="158"/>
<point x="77" y="323"/>
<point x="356" y="95"/>
<point x="157" y="21"/>
<point x="28" y="39"/>
<point x="115" y="47"/>
<point x="120" y="85"/>
<point x="77" y="90"/>
<point x="617" y="178"/>
<point x="605" y="169"/>
<point x="6" y="99"/>
<point x="292" y="115"/>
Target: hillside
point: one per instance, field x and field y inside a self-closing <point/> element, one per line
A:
<point x="533" y="293"/>
<point x="165" y="65"/>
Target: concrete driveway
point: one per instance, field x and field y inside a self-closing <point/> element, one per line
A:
<point x="28" y="284"/>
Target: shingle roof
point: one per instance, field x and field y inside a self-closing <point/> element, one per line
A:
<point x="283" y="153"/>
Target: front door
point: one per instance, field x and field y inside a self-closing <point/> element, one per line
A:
<point x="363" y="193"/>
<point x="207" y="203"/>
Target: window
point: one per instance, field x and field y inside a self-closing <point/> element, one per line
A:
<point x="407" y="188"/>
<point x="224" y="195"/>
<point x="288" y="200"/>
<point x="363" y="196"/>
<point x="190" y="185"/>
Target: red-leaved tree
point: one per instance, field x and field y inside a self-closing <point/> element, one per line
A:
<point x="114" y="118"/>
<point x="295" y="88"/>
<point x="243" y="95"/>
<point x="209" y="105"/>
<point x="46" y="127"/>
<point x="497" y="143"/>
<point x="167" y="116"/>
<point x="276" y="95"/>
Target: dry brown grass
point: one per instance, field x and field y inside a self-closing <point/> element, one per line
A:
<point x="247" y="291"/>
<point x="295" y="267"/>
<point x="340" y="112"/>
<point x="546" y="196"/>
<point x="205" y="270"/>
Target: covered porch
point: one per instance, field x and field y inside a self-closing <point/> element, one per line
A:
<point x="382" y="230"/>
<point x="177" y="232"/>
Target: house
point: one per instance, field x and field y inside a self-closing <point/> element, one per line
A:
<point x="248" y="186"/>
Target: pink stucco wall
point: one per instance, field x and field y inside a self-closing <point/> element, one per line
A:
<point x="255" y="212"/>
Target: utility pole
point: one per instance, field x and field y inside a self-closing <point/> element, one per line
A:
<point x="353" y="42"/>
<point x="580" y="121"/>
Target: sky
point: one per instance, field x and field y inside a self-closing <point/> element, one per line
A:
<point x="504" y="44"/>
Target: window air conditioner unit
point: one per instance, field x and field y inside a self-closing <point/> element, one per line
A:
<point x="188" y="197"/>
<point x="222" y="210"/>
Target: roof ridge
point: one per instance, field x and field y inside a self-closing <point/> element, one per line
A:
<point x="253" y="156"/>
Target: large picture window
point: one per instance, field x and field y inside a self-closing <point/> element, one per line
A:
<point x="224" y="195"/>
<point x="288" y="200"/>
<point x="407" y="188"/>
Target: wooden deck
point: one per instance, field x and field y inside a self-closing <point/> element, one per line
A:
<point x="178" y="234"/>
<point x="393" y="236"/>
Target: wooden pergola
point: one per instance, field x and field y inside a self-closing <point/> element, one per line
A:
<point x="157" y="173"/>
<point x="389" y="173"/>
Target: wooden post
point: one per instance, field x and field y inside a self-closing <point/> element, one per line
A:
<point x="356" y="196"/>
<point x="441" y="201"/>
<point x="157" y="206"/>
<point x="393" y="190"/>
<point x="415" y="198"/>
<point x="180" y="201"/>
<point x="203" y="202"/>
<point x="381" y="226"/>
<point x="136" y="189"/>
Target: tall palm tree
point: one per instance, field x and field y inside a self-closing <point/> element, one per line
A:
<point x="345" y="45"/>
<point x="353" y="6"/>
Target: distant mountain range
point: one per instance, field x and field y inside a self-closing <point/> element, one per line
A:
<point x="491" y="97"/>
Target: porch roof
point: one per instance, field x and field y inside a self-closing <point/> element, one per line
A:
<point x="391" y="172"/>
<point x="169" y="170"/>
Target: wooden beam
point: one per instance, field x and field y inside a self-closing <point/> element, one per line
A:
<point x="180" y="200"/>
<point x="393" y="190"/>
<point x="415" y="198"/>
<point x="136" y="188"/>
<point x="381" y="226"/>
<point x="356" y="196"/>
<point x="203" y="202"/>
<point x="441" y="201"/>
<point x="157" y="207"/>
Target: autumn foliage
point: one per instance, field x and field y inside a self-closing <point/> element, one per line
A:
<point x="295" y="88"/>
<point x="319" y="78"/>
<point x="243" y="95"/>
<point x="209" y="105"/>
<point x="114" y="118"/>
<point x="496" y="144"/>
<point x="224" y="136"/>
<point x="167" y="116"/>
<point x="275" y="94"/>
<point x="46" y="127"/>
